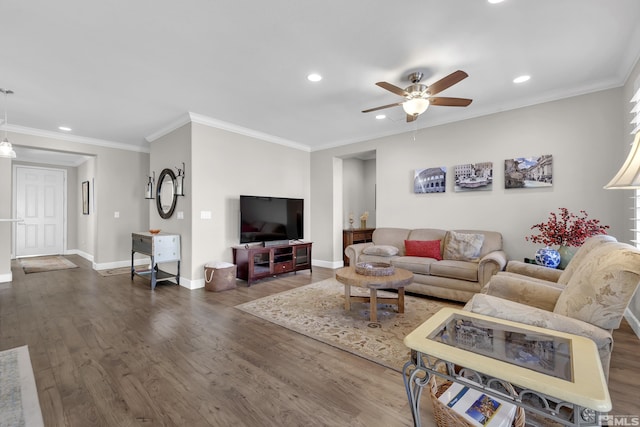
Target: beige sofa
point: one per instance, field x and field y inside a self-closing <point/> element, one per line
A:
<point x="469" y="259"/>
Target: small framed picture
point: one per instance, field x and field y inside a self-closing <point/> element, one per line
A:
<point x="85" y="197"/>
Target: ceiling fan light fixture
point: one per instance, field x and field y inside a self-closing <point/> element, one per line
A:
<point x="6" y="149"/>
<point x="415" y="106"/>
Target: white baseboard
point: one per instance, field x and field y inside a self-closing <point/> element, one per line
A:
<point x="191" y="284"/>
<point x="8" y="277"/>
<point x="327" y="264"/>
<point x="634" y="322"/>
<point x="83" y="254"/>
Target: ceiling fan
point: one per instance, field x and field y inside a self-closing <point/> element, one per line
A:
<point x="419" y="96"/>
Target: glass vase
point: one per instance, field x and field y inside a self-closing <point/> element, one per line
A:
<point x="566" y="255"/>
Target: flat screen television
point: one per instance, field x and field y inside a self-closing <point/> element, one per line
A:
<point x="264" y="219"/>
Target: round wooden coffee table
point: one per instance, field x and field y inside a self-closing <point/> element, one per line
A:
<point x="398" y="280"/>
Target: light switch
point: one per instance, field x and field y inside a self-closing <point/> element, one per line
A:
<point x="116" y="214"/>
<point x="205" y="214"/>
<point x="180" y="215"/>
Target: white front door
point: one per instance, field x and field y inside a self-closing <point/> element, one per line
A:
<point x="40" y="201"/>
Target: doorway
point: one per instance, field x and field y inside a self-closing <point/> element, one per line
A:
<point x="40" y="200"/>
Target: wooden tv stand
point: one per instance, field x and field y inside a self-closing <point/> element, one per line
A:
<point x="257" y="262"/>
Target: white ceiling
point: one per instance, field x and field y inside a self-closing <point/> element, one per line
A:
<point x="121" y="70"/>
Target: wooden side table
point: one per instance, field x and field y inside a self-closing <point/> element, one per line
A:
<point x="355" y="235"/>
<point x="555" y="375"/>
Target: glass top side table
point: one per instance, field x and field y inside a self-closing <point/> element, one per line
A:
<point x="563" y="370"/>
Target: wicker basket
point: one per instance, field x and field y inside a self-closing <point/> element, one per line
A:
<point x="374" y="269"/>
<point x="446" y="417"/>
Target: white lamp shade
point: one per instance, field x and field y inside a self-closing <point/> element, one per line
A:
<point x="6" y="149"/>
<point x="415" y="106"/>
<point x="628" y="177"/>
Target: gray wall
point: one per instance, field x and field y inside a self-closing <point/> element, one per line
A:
<point x="220" y="166"/>
<point x="118" y="187"/>
<point x="85" y="224"/>
<point x="582" y="133"/>
<point x="358" y="185"/>
<point x="5" y="213"/>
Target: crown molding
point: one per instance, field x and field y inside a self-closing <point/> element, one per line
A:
<point x="219" y="124"/>
<point x="74" y="138"/>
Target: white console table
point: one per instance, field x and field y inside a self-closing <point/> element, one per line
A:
<point x="161" y="247"/>
<point x="561" y="370"/>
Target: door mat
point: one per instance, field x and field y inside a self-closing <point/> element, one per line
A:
<point x="45" y="263"/>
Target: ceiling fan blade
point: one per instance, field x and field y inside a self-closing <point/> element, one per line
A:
<point x="446" y="82"/>
<point x="392" y="88"/>
<point x="411" y="117"/>
<point x="382" y="107"/>
<point x="449" y="102"/>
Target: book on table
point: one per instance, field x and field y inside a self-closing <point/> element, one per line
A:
<point x="478" y="408"/>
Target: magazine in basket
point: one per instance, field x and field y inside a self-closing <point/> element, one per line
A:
<point x="478" y="408"/>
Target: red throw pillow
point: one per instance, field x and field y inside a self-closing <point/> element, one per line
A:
<point x="423" y="248"/>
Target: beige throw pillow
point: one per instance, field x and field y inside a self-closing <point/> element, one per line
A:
<point x="380" y="250"/>
<point x="463" y="246"/>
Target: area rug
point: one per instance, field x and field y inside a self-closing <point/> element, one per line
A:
<point x="317" y="311"/>
<point x="19" y="405"/>
<point x="45" y="263"/>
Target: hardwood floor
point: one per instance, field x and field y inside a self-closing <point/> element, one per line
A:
<point x="107" y="351"/>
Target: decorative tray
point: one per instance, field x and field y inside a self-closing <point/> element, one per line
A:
<point x="374" y="269"/>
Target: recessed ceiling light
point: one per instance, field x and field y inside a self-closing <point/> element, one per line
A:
<point x="521" y="79"/>
<point x="495" y="1"/>
<point x="64" y="128"/>
<point x="381" y="116"/>
<point x="313" y="77"/>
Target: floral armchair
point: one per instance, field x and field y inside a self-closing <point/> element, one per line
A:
<point x="590" y="303"/>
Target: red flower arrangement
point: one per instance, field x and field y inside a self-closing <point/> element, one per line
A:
<point x="566" y="229"/>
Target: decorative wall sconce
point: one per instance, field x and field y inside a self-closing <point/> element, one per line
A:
<point x="148" y="192"/>
<point x="180" y="181"/>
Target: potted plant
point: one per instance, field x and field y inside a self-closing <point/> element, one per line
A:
<point x="566" y="230"/>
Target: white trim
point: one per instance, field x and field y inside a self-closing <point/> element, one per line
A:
<point x="7" y="277"/>
<point x="176" y="124"/>
<point x="75" y="138"/>
<point x="219" y="124"/>
<point x="633" y="321"/>
<point x="83" y="254"/>
<point x="191" y="284"/>
<point x="327" y="264"/>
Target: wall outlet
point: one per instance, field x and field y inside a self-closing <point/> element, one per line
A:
<point x="205" y="214"/>
<point x="116" y="214"/>
<point x="180" y="215"/>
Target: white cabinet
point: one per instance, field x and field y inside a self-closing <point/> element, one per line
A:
<point x="161" y="247"/>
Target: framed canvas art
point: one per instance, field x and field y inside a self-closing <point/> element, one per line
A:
<point x="528" y="172"/>
<point x="430" y="180"/>
<point x="473" y="177"/>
